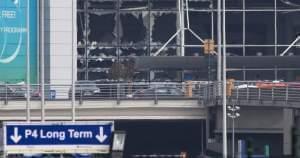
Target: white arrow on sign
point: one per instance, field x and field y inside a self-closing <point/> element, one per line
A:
<point x="16" y="137"/>
<point x="101" y="137"/>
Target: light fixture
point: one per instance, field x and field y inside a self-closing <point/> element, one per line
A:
<point x="119" y="141"/>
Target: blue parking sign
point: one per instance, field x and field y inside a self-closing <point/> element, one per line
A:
<point x="68" y="137"/>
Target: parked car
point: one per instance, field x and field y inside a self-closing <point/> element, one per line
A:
<point x="160" y="92"/>
<point x="20" y="92"/>
<point x="32" y="155"/>
<point x="85" y="89"/>
<point x="6" y="92"/>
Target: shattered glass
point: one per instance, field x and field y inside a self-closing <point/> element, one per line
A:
<point x="109" y="30"/>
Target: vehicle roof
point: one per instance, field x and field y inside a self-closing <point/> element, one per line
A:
<point x="85" y="81"/>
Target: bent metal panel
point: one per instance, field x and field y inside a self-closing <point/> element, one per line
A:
<point x="13" y="40"/>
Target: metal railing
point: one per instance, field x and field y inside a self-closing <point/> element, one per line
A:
<point x="203" y="91"/>
<point x="266" y="91"/>
<point x="118" y="91"/>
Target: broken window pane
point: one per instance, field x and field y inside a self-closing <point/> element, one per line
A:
<point x="102" y="4"/>
<point x="133" y="27"/>
<point x="102" y="27"/>
<point x="164" y="27"/>
<point x="80" y="28"/>
<point x="80" y="75"/>
<point x="134" y="5"/>
<point x="164" y="4"/>
<point x="103" y="52"/>
<point x="80" y="4"/>
<point x="168" y="51"/>
<point x="100" y="63"/>
<point x="80" y="52"/>
<point x="134" y="51"/>
<point x="81" y="63"/>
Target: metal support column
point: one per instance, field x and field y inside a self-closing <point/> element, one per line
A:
<point x="42" y="57"/>
<point x="182" y="24"/>
<point x="224" y="83"/>
<point x="219" y="22"/>
<point x="28" y="64"/>
<point x="74" y="57"/>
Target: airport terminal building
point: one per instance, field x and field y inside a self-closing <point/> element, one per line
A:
<point x="55" y="43"/>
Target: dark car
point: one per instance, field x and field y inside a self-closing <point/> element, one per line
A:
<point x="159" y="92"/>
<point x="85" y="89"/>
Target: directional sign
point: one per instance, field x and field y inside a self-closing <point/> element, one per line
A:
<point x="82" y="137"/>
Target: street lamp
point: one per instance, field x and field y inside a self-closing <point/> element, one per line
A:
<point x="118" y="144"/>
<point x="233" y="114"/>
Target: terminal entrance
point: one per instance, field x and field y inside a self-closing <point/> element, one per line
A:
<point x="163" y="137"/>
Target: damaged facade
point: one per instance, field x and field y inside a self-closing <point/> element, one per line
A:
<point x="111" y="29"/>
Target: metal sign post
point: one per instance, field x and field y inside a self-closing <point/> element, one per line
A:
<point x="28" y="63"/>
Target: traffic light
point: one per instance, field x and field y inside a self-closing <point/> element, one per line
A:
<point x="250" y="149"/>
<point x="209" y="46"/>
<point x="229" y="87"/>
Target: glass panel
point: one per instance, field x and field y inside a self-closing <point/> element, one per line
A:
<point x="294" y="51"/>
<point x="237" y="75"/>
<point x="288" y="4"/>
<point x="288" y="27"/>
<point x="260" y="75"/>
<point x="200" y="23"/>
<point x="260" y="51"/>
<point x="234" y="51"/>
<point x="234" y="27"/>
<point x="260" y="28"/>
<point x="163" y="27"/>
<point x="260" y="4"/>
<point x="230" y="4"/>
<point x="289" y="75"/>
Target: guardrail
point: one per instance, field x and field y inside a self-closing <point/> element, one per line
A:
<point x="266" y="91"/>
<point x="203" y="91"/>
<point x="118" y="92"/>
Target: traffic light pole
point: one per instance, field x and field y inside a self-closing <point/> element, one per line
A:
<point x="224" y="81"/>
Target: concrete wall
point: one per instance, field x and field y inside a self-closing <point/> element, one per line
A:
<point x="263" y="120"/>
<point x="256" y="119"/>
<point x="59" y="35"/>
